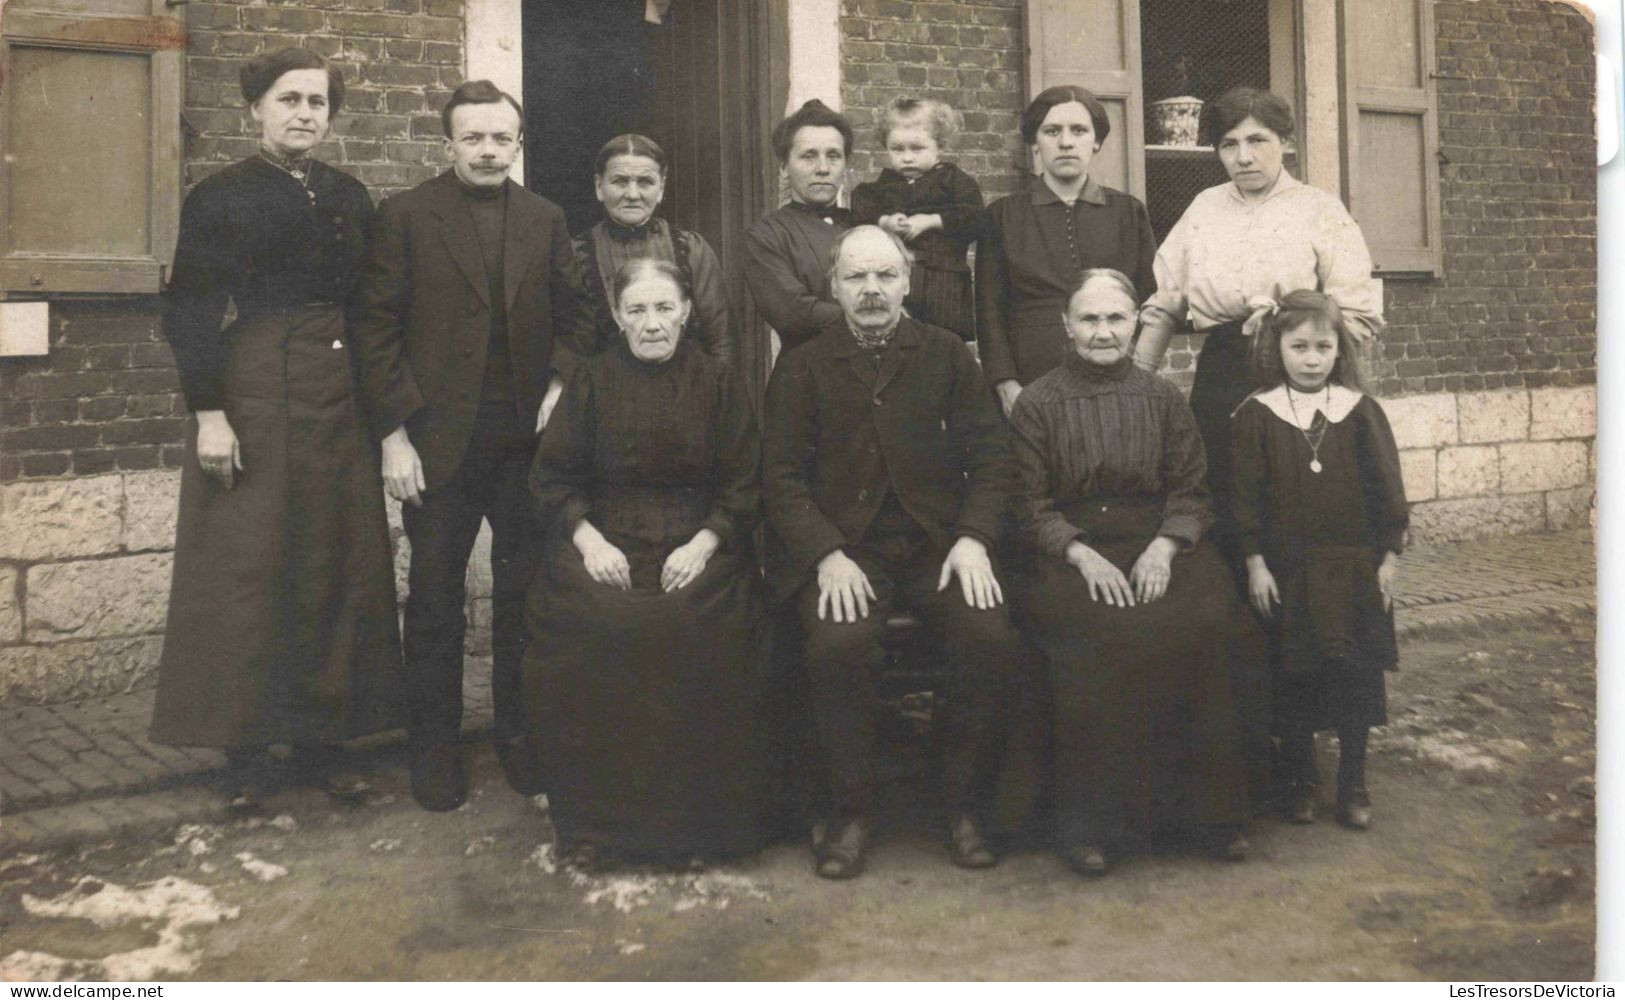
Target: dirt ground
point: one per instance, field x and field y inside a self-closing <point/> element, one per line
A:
<point x="1480" y="865"/>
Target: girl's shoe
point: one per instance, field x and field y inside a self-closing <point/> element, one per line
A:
<point x="1354" y="808"/>
<point x="1085" y="859"/>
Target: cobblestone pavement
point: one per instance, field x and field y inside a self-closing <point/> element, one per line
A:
<point x="83" y="769"/>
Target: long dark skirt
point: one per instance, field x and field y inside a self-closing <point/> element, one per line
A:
<point x="647" y="707"/>
<point x="282" y="623"/>
<point x="1144" y="727"/>
<point x="1222" y="382"/>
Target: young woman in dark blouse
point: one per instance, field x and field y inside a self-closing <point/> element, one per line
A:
<point x="282" y="624"/>
<point x="643" y="681"/>
<point x="787" y="250"/>
<point x="1034" y="244"/>
<point x="1134" y="611"/>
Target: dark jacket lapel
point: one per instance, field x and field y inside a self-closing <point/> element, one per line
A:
<point x="904" y="342"/>
<point x="519" y="235"/>
<point x="458" y="233"/>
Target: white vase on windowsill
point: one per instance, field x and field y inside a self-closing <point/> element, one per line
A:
<point x="1174" y="121"/>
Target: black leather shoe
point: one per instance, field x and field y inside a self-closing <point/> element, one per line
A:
<point x="1354" y="809"/>
<point x="519" y="765"/>
<point x="967" y="848"/>
<point x="1085" y="860"/>
<point x="842" y="855"/>
<point x="438" y="781"/>
<point x="1299" y="805"/>
<point x="1231" y="846"/>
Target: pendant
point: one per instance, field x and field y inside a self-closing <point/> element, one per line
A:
<point x="1314" y="465"/>
<point x="297" y="175"/>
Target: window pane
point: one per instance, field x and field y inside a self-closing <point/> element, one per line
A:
<point x="1393" y="210"/>
<point x="80" y="152"/>
<point x="1385" y="37"/>
<point x="1084" y="36"/>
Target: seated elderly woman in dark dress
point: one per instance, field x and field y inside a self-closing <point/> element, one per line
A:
<point x="643" y="678"/>
<point x="1135" y="612"/>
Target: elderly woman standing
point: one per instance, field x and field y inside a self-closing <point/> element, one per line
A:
<point x="787" y="251"/>
<point x="1240" y="244"/>
<point x="282" y="623"/>
<point x="1035" y="243"/>
<point x="630" y="178"/>
<point x="1133" y="610"/>
<point x="644" y="697"/>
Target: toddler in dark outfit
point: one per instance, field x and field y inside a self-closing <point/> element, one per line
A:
<point x="1321" y="517"/>
<point x="930" y="204"/>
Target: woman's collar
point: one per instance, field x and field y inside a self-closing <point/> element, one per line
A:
<point x="1283" y="183"/>
<point x="1336" y="401"/>
<point x="1091" y="192"/>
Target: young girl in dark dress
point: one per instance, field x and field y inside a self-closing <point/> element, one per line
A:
<point x="1321" y="517"/>
<point x="932" y="205"/>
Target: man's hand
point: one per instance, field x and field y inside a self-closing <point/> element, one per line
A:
<point x="1008" y="390"/>
<point x="968" y="560"/>
<point x="1261" y="588"/>
<point x="1153" y="569"/>
<point x="544" y="413"/>
<point x="403" y="470"/>
<point x="843" y="588"/>
<point x="1106" y="581"/>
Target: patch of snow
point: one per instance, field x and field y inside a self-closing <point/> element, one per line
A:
<point x="629" y="947"/>
<point x="285" y="823"/>
<point x="479" y="846"/>
<point x="544" y="859"/>
<point x="170" y="905"/>
<point x="265" y="871"/>
<point x="384" y="845"/>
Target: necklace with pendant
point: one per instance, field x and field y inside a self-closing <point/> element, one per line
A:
<point x="298" y="174"/>
<point x="1314" y="441"/>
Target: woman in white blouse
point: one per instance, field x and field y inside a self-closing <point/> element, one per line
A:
<point x="1238" y="246"/>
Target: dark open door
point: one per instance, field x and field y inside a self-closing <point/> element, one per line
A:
<point x="700" y="84"/>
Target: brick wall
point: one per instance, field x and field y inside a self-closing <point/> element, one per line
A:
<point x="106" y="398"/>
<point x="1517" y="304"/>
<point x="968" y="55"/>
<point x="91" y="434"/>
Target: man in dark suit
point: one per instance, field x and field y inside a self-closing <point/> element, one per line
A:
<point x="886" y="474"/>
<point x="470" y="287"/>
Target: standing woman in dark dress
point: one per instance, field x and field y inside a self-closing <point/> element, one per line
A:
<point x="1131" y="606"/>
<point x="787" y="251"/>
<point x="644" y="686"/>
<point x="282" y="625"/>
<point x="1036" y="243"/>
<point x="630" y="178"/>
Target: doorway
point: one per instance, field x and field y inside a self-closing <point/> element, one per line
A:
<point x="694" y="75"/>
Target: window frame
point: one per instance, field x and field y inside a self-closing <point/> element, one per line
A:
<point x="1421" y="102"/>
<point x="159" y="33"/>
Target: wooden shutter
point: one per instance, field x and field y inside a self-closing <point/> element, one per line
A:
<point x="1094" y="44"/>
<point x="90" y="121"/>
<point x="1391" y="131"/>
